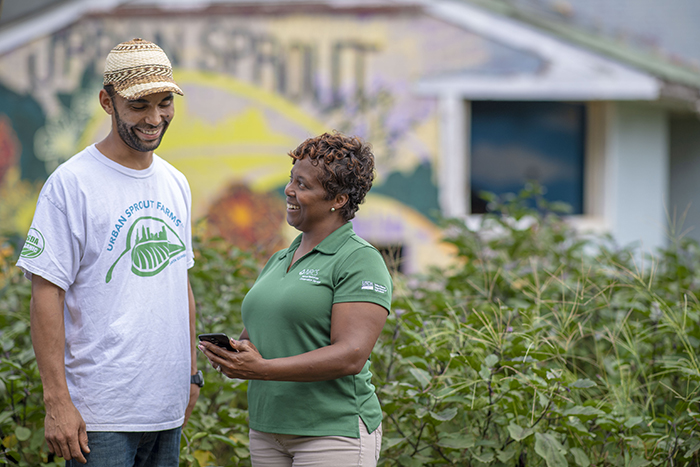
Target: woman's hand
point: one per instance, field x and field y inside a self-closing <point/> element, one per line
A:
<point x="245" y="363"/>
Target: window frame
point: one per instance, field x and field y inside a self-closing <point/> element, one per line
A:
<point x="454" y="175"/>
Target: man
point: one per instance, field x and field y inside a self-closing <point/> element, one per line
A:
<point x="112" y="310"/>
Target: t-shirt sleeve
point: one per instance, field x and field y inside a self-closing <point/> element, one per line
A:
<point x="364" y="277"/>
<point x="51" y="249"/>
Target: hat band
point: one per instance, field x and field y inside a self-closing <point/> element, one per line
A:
<point x="136" y="91"/>
<point x="138" y="74"/>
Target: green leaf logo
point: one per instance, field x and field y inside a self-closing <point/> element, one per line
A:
<point x="152" y="244"/>
<point x="34" y="245"/>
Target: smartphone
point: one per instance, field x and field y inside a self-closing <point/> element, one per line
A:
<point x="218" y="338"/>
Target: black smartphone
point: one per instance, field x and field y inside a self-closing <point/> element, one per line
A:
<point x="218" y="338"/>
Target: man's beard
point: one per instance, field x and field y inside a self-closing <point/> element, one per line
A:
<point x="134" y="142"/>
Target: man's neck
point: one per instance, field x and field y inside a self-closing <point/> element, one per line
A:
<point x="115" y="149"/>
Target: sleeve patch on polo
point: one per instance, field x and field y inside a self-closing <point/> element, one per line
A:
<point x="369" y="285"/>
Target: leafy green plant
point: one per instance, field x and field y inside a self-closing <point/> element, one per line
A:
<point x="543" y="347"/>
<point x="217" y="432"/>
<point x="21" y="398"/>
<point x="539" y="346"/>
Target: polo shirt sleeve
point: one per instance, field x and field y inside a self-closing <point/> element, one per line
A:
<point x="363" y="277"/>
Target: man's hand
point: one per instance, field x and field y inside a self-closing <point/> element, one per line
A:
<point x="65" y="432"/>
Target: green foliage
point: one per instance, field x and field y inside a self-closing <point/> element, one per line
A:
<point x="542" y="347"/>
<point x="537" y="347"/>
<point x="217" y="432"/>
<point x="21" y="398"/>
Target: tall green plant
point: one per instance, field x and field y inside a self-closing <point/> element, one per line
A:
<point x="543" y="347"/>
<point x="217" y="432"/>
<point x="21" y="398"/>
<point x="537" y="347"/>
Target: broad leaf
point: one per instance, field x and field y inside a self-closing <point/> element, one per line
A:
<point x="582" y="384"/>
<point x="505" y="456"/>
<point x="550" y="450"/>
<point x="485" y="372"/>
<point x="491" y="361"/>
<point x="638" y="461"/>
<point x="587" y="411"/>
<point x="23" y="433"/>
<point x="633" y="421"/>
<point x="422" y="376"/>
<point x="457" y="441"/>
<point x="580" y="457"/>
<point x="517" y="432"/>
<point x="486" y="457"/>
<point x="444" y="415"/>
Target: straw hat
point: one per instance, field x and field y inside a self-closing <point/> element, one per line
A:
<point x="137" y="68"/>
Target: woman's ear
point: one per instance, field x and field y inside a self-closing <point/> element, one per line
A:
<point x="340" y="200"/>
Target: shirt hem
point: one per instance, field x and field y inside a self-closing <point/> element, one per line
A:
<point x="29" y="271"/>
<point x="296" y="432"/>
<point x="138" y="427"/>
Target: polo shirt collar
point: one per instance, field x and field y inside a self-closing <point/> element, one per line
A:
<point x="329" y="245"/>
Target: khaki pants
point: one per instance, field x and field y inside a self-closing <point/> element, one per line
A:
<point x="274" y="450"/>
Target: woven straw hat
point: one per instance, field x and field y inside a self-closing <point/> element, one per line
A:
<point x="137" y="68"/>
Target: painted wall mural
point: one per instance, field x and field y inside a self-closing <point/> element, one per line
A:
<point x="256" y="85"/>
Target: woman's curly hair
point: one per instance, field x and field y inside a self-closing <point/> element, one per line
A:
<point x="347" y="167"/>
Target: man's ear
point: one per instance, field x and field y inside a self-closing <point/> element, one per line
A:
<point x="106" y="102"/>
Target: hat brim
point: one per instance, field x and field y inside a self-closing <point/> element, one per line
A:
<point x="138" y="91"/>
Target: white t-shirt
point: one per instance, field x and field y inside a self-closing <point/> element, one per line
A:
<point x="118" y="241"/>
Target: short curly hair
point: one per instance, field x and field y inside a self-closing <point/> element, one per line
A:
<point x="347" y="167"/>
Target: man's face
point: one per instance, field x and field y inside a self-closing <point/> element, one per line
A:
<point x="141" y="123"/>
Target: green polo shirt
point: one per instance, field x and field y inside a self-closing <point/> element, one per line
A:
<point x="289" y="313"/>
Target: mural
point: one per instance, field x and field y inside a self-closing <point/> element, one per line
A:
<point x="255" y="85"/>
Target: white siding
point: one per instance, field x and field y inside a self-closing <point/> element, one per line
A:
<point x="637" y="174"/>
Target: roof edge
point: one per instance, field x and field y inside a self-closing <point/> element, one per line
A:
<point x="634" y="57"/>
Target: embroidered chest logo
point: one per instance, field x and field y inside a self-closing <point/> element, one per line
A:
<point x="152" y="244"/>
<point x="310" y="275"/>
<point x="369" y="285"/>
<point x="34" y="245"/>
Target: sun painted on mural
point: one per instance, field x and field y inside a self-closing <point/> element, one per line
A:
<point x="250" y="221"/>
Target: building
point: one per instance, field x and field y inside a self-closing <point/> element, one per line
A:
<point x="455" y="96"/>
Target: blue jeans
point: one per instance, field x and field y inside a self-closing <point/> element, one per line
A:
<point x="132" y="449"/>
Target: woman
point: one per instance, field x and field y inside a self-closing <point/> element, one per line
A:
<point x="312" y="319"/>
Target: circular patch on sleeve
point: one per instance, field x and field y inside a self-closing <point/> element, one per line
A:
<point x="34" y="245"/>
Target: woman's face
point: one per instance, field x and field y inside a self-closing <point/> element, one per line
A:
<point x="307" y="205"/>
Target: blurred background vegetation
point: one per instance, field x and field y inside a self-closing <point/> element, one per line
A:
<point x="539" y="346"/>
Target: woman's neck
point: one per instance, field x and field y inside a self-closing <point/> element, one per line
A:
<point x="310" y="239"/>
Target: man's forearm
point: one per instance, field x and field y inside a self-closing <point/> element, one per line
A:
<point x="48" y="338"/>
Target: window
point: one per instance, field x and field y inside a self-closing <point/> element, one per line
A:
<point x="516" y="142"/>
<point x="393" y="257"/>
